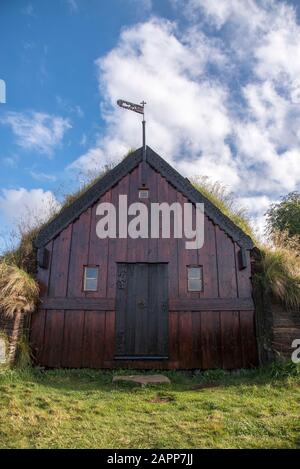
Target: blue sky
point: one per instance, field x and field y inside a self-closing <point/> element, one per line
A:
<point x="220" y="78"/>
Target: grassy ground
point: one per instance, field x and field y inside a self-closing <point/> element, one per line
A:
<point x="83" y="409"/>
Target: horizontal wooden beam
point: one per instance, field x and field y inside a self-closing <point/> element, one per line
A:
<point x="87" y="304"/>
<point x="211" y="304"/>
<point x="183" y="304"/>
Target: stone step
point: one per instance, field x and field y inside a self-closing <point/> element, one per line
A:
<point x="143" y="380"/>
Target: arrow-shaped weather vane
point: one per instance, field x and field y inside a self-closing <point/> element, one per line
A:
<point x="140" y="109"/>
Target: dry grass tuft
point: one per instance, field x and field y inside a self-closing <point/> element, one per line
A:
<point x="18" y="290"/>
<point x="225" y="200"/>
<point x="280" y="275"/>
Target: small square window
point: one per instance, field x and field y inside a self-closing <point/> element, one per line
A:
<point x="195" y="278"/>
<point x="90" y="278"/>
<point x="143" y="193"/>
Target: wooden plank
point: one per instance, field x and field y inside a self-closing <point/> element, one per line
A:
<point x="207" y="257"/>
<point x="43" y="275"/>
<point x="141" y="244"/>
<point x="173" y="254"/>
<point x="140" y="292"/>
<point x="79" y="254"/>
<point x="210" y="304"/>
<point x="37" y="330"/>
<point x="173" y="336"/>
<point x="139" y="364"/>
<point x="113" y="246"/>
<point x="191" y="255"/>
<point x="130" y="309"/>
<point x="121" y="304"/>
<point x="53" y="339"/>
<point x="152" y="181"/>
<point x="226" y="265"/>
<point x="248" y="339"/>
<point x="185" y="340"/>
<point x="132" y="197"/>
<point x="160" y="274"/>
<point x="120" y="252"/>
<point x="73" y="339"/>
<point x="101" y="304"/>
<point x="196" y="340"/>
<point x="182" y="260"/>
<point x="98" y="251"/>
<point x="163" y="248"/>
<point x="231" y="340"/>
<point x="93" y="339"/>
<point x="60" y="263"/>
<point x="109" y="340"/>
<point x="211" y="340"/>
<point x="243" y="276"/>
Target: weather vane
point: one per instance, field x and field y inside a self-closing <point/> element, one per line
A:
<point x="140" y="109"/>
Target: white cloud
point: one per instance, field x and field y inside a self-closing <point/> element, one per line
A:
<point x="142" y="5"/>
<point x="40" y="176"/>
<point x="218" y="12"/>
<point x="66" y="106"/>
<point x="37" y="131"/>
<point x="181" y="112"/>
<point x="73" y="6"/>
<point x="88" y="161"/>
<point x="222" y="95"/>
<point x="27" y="206"/>
<point x="29" y="10"/>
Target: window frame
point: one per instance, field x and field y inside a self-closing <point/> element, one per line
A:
<point x="200" y="267"/>
<point x="85" y="268"/>
<point x="143" y="193"/>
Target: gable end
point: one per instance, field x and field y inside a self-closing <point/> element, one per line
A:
<point x="88" y="198"/>
<point x="185" y="187"/>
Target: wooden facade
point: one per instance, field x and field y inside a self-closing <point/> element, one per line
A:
<point x="214" y="328"/>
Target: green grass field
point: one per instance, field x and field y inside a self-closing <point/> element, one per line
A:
<point x="83" y="409"/>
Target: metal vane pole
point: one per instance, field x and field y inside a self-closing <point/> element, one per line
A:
<point x="144" y="131"/>
<point x="140" y="109"/>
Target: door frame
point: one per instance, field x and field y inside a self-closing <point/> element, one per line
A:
<point x="141" y="357"/>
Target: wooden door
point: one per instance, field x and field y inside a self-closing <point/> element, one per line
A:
<point x="142" y="311"/>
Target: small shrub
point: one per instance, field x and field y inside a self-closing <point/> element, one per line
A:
<point x="284" y="369"/>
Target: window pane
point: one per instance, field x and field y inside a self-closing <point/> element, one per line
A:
<point x="143" y="193"/>
<point x="194" y="284"/>
<point x="91" y="272"/>
<point x="194" y="272"/>
<point x="90" y="278"/>
<point x="91" y="284"/>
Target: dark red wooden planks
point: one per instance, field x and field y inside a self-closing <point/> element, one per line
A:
<point x="60" y="263"/>
<point x="231" y="339"/>
<point x="53" y="339"/>
<point x="248" y="339"/>
<point x="79" y="254"/>
<point x="211" y="340"/>
<point x="73" y="339"/>
<point x="37" y="332"/>
<point x="93" y="339"/>
<point x="226" y="265"/>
